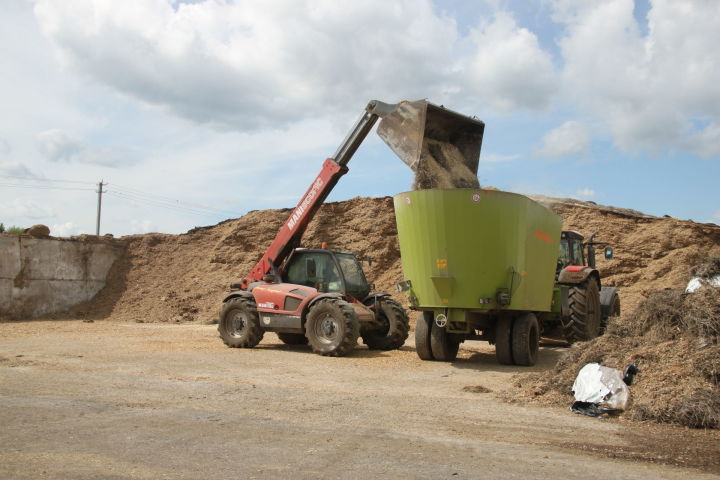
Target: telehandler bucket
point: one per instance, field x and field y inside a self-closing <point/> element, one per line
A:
<point x="412" y="129"/>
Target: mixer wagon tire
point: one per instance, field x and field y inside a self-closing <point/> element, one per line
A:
<point x="239" y="324"/>
<point x="503" y="340"/>
<point x="332" y="327"/>
<point x="395" y="327"/>
<point x="422" y="336"/>
<point x="444" y="345"/>
<point x="583" y="323"/>
<point x="525" y="339"/>
<point x="293" y="338"/>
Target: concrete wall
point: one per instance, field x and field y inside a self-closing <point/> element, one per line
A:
<point x="48" y="275"/>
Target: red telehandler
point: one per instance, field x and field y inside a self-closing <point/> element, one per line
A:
<point x="321" y="296"/>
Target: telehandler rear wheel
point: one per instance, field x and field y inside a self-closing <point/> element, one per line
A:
<point x="503" y="340"/>
<point x="422" y="336"/>
<point x="239" y="325"/>
<point x="444" y="345"/>
<point x="583" y="323"/>
<point x="332" y="327"/>
<point x="395" y="327"/>
<point x="293" y="338"/>
<point x="525" y="339"/>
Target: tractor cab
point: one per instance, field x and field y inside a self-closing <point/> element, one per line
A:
<point x="328" y="271"/>
<point x="572" y="250"/>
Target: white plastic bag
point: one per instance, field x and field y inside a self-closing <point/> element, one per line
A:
<point x="602" y="386"/>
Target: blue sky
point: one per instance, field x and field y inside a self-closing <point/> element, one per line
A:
<point x="194" y="112"/>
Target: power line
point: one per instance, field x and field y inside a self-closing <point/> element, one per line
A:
<point x="42" y="187"/>
<point x="166" y="206"/>
<point x="37" y="179"/>
<point x="169" y="200"/>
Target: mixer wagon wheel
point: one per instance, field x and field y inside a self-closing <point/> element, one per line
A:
<point x="395" y="327"/>
<point x="293" y="338"/>
<point x="332" y="327"/>
<point x="583" y="323"/>
<point x="503" y="340"/>
<point x="422" y="336"/>
<point x="525" y="339"/>
<point x="239" y="325"/>
<point x="444" y="345"/>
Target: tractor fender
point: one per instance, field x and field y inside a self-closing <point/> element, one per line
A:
<point x="238" y="293"/>
<point x="606" y="298"/>
<point x="373" y="298"/>
<point x="575" y="274"/>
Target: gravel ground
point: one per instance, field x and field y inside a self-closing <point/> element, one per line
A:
<point x="109" y="400"/>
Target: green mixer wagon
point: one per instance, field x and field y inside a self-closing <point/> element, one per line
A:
<point x="480" y="264"/>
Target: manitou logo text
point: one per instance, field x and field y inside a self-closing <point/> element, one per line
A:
<point x="305" y="203"/>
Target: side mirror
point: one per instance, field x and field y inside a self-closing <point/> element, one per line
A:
<point x="310" y="268"/>
<point x="608" y="253"/>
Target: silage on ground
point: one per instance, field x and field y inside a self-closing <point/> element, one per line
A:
<point x="675" y="338"/>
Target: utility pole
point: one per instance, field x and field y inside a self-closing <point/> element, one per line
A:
<point x="99" y="192"/>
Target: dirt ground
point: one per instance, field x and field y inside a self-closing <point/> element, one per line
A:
<point x="111" y="400"/>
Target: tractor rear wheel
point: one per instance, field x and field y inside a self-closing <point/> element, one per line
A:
<point x="503" y="340"/>
<point x="293" y="338"/>
<point x="422" y="336"/>
<point x="395" y="327"/>
<point x="583" y="323"/>
<point x="332" y="327"/>
<point x="444" y="345"/>
<point x="525" y="339"/>
<point x="239" y="325"/>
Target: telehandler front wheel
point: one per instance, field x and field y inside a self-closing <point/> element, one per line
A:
<point x="239" y="325"/>
<point x="395" y="327"/>
<point x="332" y="327"/>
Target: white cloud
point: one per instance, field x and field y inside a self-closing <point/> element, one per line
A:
<point x="497" y="157"/>
<point x="143" y="226"/>
<point x="14" y="169"/>
<point x="569" y="139"/>
<point x="258" y="64"/>
<point x="586" y="193"/>
<point x="58" y="146"/>
<point x="66" y="229"/>
<point x="648" y="90"/>
<point x="24" y="208"/>
<point x="509" y="69"/>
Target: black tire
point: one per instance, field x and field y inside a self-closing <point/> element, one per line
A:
<point x="422" y="336"/>
<point x="584" y="320"/>
<point x="293" y="338"/>
<point x="525" y="339"/>
<point x="332" y="327"/>
<point x="503" y="340"/>
<point x="239" y="324"/>
<point x="444" y="345"/>
<point x="396" y="327"/>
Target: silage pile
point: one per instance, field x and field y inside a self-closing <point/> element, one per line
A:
<point x="182" y="278"/>
<point x="674" y="337"/>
